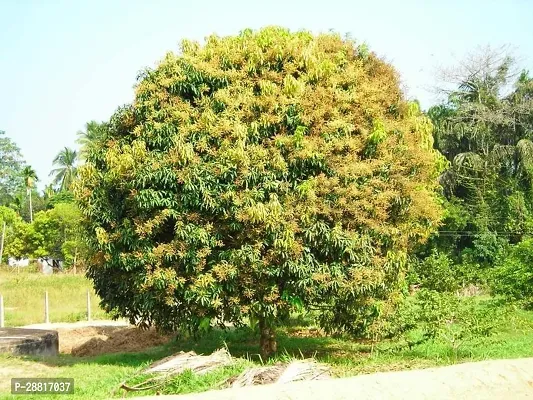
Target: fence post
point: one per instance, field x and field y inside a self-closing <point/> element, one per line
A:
<point x="2" y="320"/>
<point x="46" y="313"/>
<point x="2" y="242"/>
<point x="88" y="305"/>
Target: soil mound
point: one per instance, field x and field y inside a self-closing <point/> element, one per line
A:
<point x="92" y="341"/>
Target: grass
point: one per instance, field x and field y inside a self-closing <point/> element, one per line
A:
<point x="67" y="297"/>
<point x="99" y="377"/>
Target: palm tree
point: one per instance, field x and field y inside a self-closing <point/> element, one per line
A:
<point x="48" y="192"/>
<point x="66" y="160"/>
<point x="30" y="177"/>
<point x="94" y="131"/>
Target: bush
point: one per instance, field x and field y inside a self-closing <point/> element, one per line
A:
<point x="394" y="320"/>
<point x="436" y="272"/>
<point x="513" y="275"/>
<point x="486" y="248"/>
<point x="444" y="317"/>
<point x="469" y="272"/>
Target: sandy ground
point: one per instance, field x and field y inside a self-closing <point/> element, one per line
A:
<point x="494" y="380"/>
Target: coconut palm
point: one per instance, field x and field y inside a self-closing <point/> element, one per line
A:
<point x="86" y="139"/>
<point x="66" y="161"/>
<point x="48" y="192"/>
<point x="30" y="177"/>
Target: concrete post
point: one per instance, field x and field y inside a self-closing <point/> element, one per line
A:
<point x="88" y="305"/>
<point x="2" y="242"/>
<point x="2" y="320"/>
<point x="46" y="311"/>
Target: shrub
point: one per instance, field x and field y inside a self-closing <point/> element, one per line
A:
<point x="436" y="272"/>
<point x="431" y="315"/>
<point x="513" y="275"/>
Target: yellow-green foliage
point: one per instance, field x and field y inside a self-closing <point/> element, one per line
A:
<point x="258" y="173"/>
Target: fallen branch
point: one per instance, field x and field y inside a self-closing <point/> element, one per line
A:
<point x="198" y="364"/>
<point x="177" y="364"/>
<point x="281" y="373"/>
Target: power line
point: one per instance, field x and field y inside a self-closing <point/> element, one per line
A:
<point x="473" y="233"/>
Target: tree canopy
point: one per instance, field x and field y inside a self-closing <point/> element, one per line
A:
<point x="255" y="174"/>
<point x="11" y="165"/>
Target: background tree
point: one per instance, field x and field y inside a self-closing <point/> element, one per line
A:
<point x="56" y="233"/>
<point x="11" y="164"/>
<point x="59" y="197"/>
<point x="49" y="192"/>
<point x="93" y="134"/>
<point x="15" y="241"/>
<point x="30" y="177"/>
<point x="484" y="128"/>
<point x="64" y="175"/>
<point x="254" y="175"/>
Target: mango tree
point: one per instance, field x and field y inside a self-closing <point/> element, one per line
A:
<point x="255" y="174"/>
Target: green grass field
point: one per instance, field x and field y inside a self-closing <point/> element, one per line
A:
<point x="67" y="297"/>
<point x="98" y="377"/>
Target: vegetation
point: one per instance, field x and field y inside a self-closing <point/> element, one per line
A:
<point x="53" y="233"/>
<point x="10" y="168"/>
<point x="66" y="162"/>
<point x="256" y="175"/>
<point x="484" y="128"/>
<point x="46" y="225"/>
<point x="273" y="173"/>
<point x="513" y="276"/>
<point x="486" y="136"/>
<point x="29" y="180"/>
<point x="24" y="290"/>
<point x="99" y="377"/>
<point x="93" y="133"/>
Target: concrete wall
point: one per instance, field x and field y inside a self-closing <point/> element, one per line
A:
<point x="29" y="341"/>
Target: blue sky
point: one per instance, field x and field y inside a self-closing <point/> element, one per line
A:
<point x="63" y="63"/>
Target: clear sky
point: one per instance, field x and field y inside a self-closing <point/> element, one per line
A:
<point x="63" y="63"/>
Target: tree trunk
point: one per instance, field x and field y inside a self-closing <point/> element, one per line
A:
<point x="268" y="339"/>
<point x="31" y="208"/>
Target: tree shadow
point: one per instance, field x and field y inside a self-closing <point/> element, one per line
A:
<point x="240" y="342"/>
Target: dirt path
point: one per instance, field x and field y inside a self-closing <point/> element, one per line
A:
<point x="497" y="379"/>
